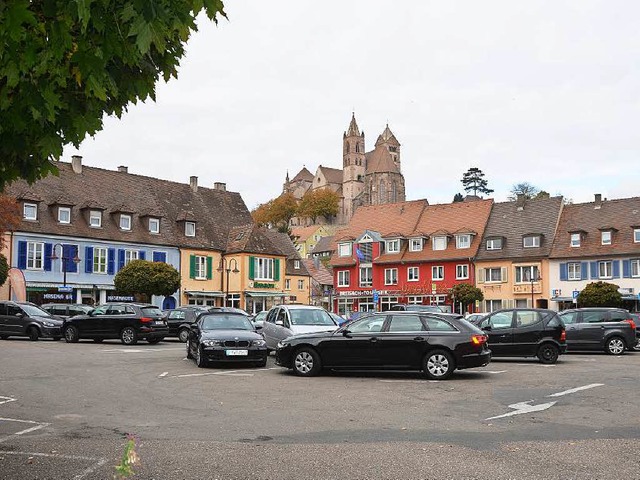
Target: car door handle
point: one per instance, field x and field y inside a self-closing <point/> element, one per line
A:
<point x="419" y="339"/>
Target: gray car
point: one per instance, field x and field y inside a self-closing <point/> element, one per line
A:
<point x="66" y="310"/>
<point x="283" y="321"/>
<point x="26" y="319"/>
<point x="608" y="329"/>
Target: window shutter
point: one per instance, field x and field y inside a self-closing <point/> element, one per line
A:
<point x="160" y="257"/>
<point x="480" y="275"/>
<point x="209" y="268"/>
<point x="120" y="259"/>
<point x="584" y="270"/>
<point x="48" y="251"/>
<point x="276" y="269"/>
<point x="192" y="266"/>
<point x="616" y="268"/>
<point x="252" y="268"/>
<point x="111" y="261"/>
<point x="88" y="259"/>
<point x="504" y="274"/>
<point x="563" y="272"/>
<point x="594" y="270"/>
<point x="626" y="268"/>
<point x="22" y="255"/>
<point x="142" y="255"/>
<point x="69" y="252"/>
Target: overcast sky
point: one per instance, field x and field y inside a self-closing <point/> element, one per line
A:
<point x="545" y="92"/>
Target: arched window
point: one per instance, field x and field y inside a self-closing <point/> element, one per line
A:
<point x="394" y="193"/>
<point x="382" y="193"/>
<point x="357" y="148"/>
<point x="346" y="147"/>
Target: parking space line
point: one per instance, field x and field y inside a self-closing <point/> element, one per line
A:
<point x="163" y="374"/>
<point x="184" y="375"/>
<point x="98" y="462"/>
<point x="577" y="389"/>
<point x="35" y="426"/>
<point x="138" y="350"/>
<point x="6" y="399"/>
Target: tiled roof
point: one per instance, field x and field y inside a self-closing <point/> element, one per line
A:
<point x="381" y="161"/>
<point x="283" y="243"/>
<point x="319" y="273"/>
<point x="513" y="221"/>
<point x="622" y="215"/>
<point x="387" y="136"/>
<point x="304" y="175"/>
<point x="333" y="175"/>
<point x="303" y="233"/>
<point x="253" y="239"/>
<point x="323" y="245"/>
<point x="215" y="211"/>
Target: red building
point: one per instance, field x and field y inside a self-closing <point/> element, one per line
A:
<point x="409" y="252"/>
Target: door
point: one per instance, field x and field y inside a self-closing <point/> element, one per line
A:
<point x="268" y="328"/>
<point x="528" y="330"/>
<point x="499" y="329"/>
<point x="591" y="329"/>
<point x="13" y="322"/>
<point x="571" y="325"/>
<point x="118" y="316"/>
<point x="91" y="325"/>
<point x="357" y="347"/>
<point x="281" y="328"/>
<point x="403" y="343"/>
<point x="4" y="329"/>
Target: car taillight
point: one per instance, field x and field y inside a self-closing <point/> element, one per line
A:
<point x="478" y="339"/>
<point x="146" y="319"/>
<point x="632" y="323"/>
<point x="563" y="335"/>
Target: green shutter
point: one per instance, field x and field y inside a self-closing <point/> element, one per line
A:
<point x="252" y="268"/>
<point x="209" y="268"/>
<point x="276" y="269"/>
<point x="192" y="266"/>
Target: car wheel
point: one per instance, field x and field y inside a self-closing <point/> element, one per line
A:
<point x="71" y="334"/>
<point x="153" y="341"/>
<point x="98" y="340"/>
<point x="189" y="349"/>
<point x="615" y="346"/>
<point x="306" y="362"/>
<point x="262" y="363"/>
<point x="200" y="361"/>
<point x="438" y="365"/>
<point x="33" y="333"/>
<point x="548" y="353"/>
<point x="183" y="335"/>
<point x="128" y="336"/>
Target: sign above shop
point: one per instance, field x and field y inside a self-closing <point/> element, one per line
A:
<point x="120" y="298"/>
<point x="65" y="289"/>
<point x="264" y="285"/>
<point x="57" y="296"/>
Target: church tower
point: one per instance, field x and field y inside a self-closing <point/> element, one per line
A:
<point x="353" y="167"/>
<point x="389" y="141"/>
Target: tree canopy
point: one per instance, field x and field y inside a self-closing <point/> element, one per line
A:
<point x="323" y="202"/>
<point x="458" y="198"/>
<point x="600" y="294"/>
<point x="65" y="64"/>
<point x="147" y="278"/>
<point x="524" y="188"/>
<point x="466" y="294"/>
<point x="473" y="181"/>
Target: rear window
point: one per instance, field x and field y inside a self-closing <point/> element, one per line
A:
<point x="525" y="318"/>
<point x="593" y="316"/>
<point x="151" y="312"/>
<point x="619" y="315"/>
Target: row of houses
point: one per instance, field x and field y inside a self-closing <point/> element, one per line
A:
<point x="80" y="227"/>
<point x="529" y="252"/>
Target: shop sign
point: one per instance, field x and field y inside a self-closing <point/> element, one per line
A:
<point x="120" y="298"/>
<point x="57" y="296"/>
<point x="263" y="285"/>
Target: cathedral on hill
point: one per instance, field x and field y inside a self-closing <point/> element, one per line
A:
<point x="366" y="178"/>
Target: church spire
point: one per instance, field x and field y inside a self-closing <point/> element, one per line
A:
<point x="353" y="127"/>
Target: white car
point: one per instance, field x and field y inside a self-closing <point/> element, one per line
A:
<point x="286" y="320"/>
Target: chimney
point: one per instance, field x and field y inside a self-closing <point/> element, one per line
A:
<point x="520" y="199"/>
<point x="193" y="181"/>
<point x="123" y="169"/>
<point x="76" y="163"/>
<point x="220" y="186"/>
<point x="598" y="200"/>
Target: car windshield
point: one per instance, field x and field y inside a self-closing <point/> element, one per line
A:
<point x="225" y="322"/>
<point x="34" y="311"/>
<point x="260" y="316"/>
<point x="304" y="316"/>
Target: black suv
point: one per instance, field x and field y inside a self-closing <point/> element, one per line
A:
<point x="610" y="329"/>
<point x="525" y="332"/>
<point x="26" y="319"/>
<point x="126" y="321"/>
<point x="66" y="310"/>
<point x="179" y="319"/>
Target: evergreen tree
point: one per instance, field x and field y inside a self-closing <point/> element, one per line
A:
<point x="473" y="181"/>
<point x="458" y="198"/>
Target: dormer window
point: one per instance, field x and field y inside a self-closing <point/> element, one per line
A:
<point x="393" y="246"/>
<point x="463" y="241"/>
<point x="415" y="245"/>
<point x="575" y="239"/>
<point x="605" y="237"/>
<point x="64" y="215"/>
<point x="531" y="241"/>
<point x="296" y="264"/>
<point x="636" y="235"/>
<point x="494" y="244"/>
<point x="95" y="218"/>
<point x="30" y="211"/>
<point x="439" y="242"/>
<point x="125" y="222"/>
<point x="154" y="225"/>
<point x="344" y="249"/>
<point x="190" y="229"/>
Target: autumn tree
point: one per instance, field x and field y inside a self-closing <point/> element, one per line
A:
<point x="262" y="213"/>
<point x="283" y="209"/>
<point x="9" y="221"/>
<point x="65" y="65"/>
<point x="147" y="278"/>
<point x="600" y="294"/>
<point x="323" y="202"/>
<point x="466" y="294"/>
<point x="473" y="181"/>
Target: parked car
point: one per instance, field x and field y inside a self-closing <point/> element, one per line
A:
<point x="66" y="310"/>
<point x="285" y="320"/>
<point x="129" y="322"/>
<point x="525" y="332"/>
<point x="408" y="307"/>
<point x="636" y="319"/>
<point x="610" y="329"/>
<point x="179" y="319"/>
<point x="258" y="319"/>
<point x="218" y="337"/>
<point x="435" y="343"/>
<point x="337" y="318"/>
<point x="474" y="317"/>
<point x="25" y="319"/>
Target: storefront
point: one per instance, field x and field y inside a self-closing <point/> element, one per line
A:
<point x="256" y="301"/>
<point x="41" y="293"/>
<point x="204" y="298"/>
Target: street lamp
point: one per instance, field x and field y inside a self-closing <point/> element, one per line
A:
<point x="226" y="267"/>
<point x="534" y="276"/>
<point x="65" y="259"/>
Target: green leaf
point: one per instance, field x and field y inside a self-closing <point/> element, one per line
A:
<point x="84" y="7"/>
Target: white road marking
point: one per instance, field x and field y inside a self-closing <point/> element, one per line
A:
<point x="577" y="389"/>
<point x="138" y="350"/>
<point x="221" y="373"/>
<point x="163" y="374"/>
<point x="524" y="407"/>
<point x="98" y="461"/>
<point x="6" y="399"/>
<point x="403" y="381"/>
<point x="534" y="365"/>
<point x="36" y="426"/>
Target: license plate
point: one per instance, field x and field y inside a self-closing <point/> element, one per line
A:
<point x="237" y="353"/>
<point x="159" y="322"/>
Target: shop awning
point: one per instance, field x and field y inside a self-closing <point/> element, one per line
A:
<point x="253" y="293"/>
<point x="561" y="299"/>
<point x="200" y="293"/>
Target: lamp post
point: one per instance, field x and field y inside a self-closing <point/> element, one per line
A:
<point x="534" y="276"/>
<point x="64" y="259"/>
<point x="226" y="267"/>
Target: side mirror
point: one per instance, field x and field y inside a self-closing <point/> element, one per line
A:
<point x="193" y="326"/>
<point x="280" y="322"/>
<point x="257" y="327"/>
<point x="487" y="328"/>
<point x="20" y="315"/>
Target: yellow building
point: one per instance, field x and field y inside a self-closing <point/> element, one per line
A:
<point x="306" y="238"/>
<point x="201" y="282"/>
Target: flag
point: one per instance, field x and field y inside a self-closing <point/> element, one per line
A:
<point x="359" y="254"/>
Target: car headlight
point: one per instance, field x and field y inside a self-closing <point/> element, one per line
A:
<point x="282" y="344"/>
<point x="48" y="324"/>
<point x="258" y="343"/>
<point x="212" y="343"/>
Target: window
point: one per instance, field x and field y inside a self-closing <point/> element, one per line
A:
<point x="415" y="300"/>
<point x="499" y="321"/>
<point x="190" y="229"/>
<point x="300" y="284"/>
<point x="95" y="218"/>
<point x="64" y="215"/>
<point x="154" y="225"/>
<point x="387" y="302"/>
<point x="493" y="305"/>
<point x="201" y="267"/>
<point x="531" y="241"/>
<point x="125" y="222"/>
<point x="345" y="306"/>
<point x="344" y="277"/>
<point x="296" y="264"/>
<point x="439" y="243"/>
<point x="130" y="255"/>
<point x="573" y="271"/>
<point x="463" y="241"/>
<point x="439" y="325"/>
<point x="99" y="260"/>
<point x="415" y="245"/>
<point x="390" y="276"/>
<point x="605" y="269"/>
<point x="527" y="317"/>
<point x="527" y="274"/>
<point x="494" y="244"/>
<point x="437" y="273"/>
<point x="462" y="272"/>
<point x="366" y="276"/>
<point x="344" y="249"/>
<point x="406" y="323"/>
<point x="413" y="274"/>
<point x="35" y="255"/>
<point x="635" y="268"/>
<point x="287" y="284"/>
<point x="368" y="325"/>
<point x="393" y="246"/>
<point x="264" y="268"/>
<point x="636" y="235"/>
<point x="492" y="275"/>
<point x="30" y="211"/>
<point x="575" y="239"/>
<point x="605" y="237"/>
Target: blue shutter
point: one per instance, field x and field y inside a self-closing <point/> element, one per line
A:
<point x="88" y="259"/>
<point x="22" y="255"/>
<point x="584" y="270"/>
<point x="616" y="268"/>
<point x="111" y="261"/>
<point x="594" y="270"/>
<point x="69" y="252"/>
<point x="48" y="251"/>
<point x="142" y="255"/>
<point x="160" y="257"/>
<point x="626" y="268"/>
<point x="120" y="259"/>
<point x="563" y="271"/>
